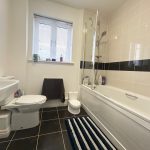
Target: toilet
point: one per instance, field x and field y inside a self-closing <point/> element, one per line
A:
<point x="20" y="113"/>
<point x="25" y="111"/>
<point x="73" y="103"/>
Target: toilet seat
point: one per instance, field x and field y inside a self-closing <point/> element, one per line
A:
<point x="30" y="99"/>
<point x="26" y="100"/>
<point x="74" y="103"/>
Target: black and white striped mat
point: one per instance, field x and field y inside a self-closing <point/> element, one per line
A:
<point x="85" y="135"/>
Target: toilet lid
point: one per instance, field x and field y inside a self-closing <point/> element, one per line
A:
<point x="31" y="99"/>
<point x="75" y="103"/>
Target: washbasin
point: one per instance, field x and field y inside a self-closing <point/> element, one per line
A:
<point x="7" y="90"/>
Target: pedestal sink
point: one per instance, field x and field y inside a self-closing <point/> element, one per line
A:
<point x="7" y="90"/>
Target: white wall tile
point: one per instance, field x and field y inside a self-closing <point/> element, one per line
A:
<point x="131" y="25"/>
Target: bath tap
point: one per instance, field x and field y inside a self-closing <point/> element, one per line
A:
<point x="85" y="80"/>
<point x="93" y="87"/>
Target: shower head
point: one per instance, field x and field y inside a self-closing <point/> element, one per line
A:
<point x="99" y="39"/>
<point x="103" y="33"/>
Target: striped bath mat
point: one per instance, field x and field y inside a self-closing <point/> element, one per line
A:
<point x="85" y="135"/>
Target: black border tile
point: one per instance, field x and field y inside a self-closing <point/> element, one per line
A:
<point x="127" y="66"/>
<point x="146" y="65"/>
<point x="106" y="66"/>
<point x="86" y="65"/>
<point x="99" y="66"/>
<point x="114" y="66"/>
<point x="138" y="65"/>
<point x="134" y="65"/>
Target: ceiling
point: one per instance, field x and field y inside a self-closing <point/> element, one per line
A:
<point x="107" y="5"/>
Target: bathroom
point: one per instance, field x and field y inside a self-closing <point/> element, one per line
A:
<point x="104" y="67"/>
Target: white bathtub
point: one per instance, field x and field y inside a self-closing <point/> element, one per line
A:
<point x="123" y="116"/>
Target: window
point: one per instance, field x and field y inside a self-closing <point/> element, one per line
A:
<point x="52" y="39"/>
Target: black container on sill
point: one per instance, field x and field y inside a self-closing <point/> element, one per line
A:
<point x="53" y="59"/>
<point x="61" y="58"/>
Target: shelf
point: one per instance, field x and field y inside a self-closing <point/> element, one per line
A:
<point x="52" y="62"/>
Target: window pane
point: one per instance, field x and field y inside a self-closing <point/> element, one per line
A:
<point x="62" y="43"/>
<point x="52" y="39"/>
<point x="44" y="41"/>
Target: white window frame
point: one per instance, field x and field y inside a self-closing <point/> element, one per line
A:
<point x="54" y="23"/>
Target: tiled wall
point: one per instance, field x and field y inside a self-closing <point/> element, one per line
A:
<point x="129" y="47"/>
<point x="126" y="56"/>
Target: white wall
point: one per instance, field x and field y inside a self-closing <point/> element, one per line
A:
<point x="4" y="37"/>
<point x="18" y="40"/>
<point x="70" y="73"/>
<point x="129" y="27"/>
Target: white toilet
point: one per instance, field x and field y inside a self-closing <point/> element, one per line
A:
<point x="73" y="103"/>
<point x="19" y="113"/>
<point x="25" y="111"/>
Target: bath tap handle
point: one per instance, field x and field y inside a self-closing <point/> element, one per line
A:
<point x="131" y="96"/>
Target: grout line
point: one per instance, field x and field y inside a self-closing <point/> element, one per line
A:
<point x="54" y="110"/>
<point x="62" y="109"/>
<point x="39" y="129"/>
<point x="64" y="130"/>
<point x="49" y="110"/>
<point x="50" y="133"/>
<point x="62" y="118"/>
<point x="61" y="131"/>
<point x="34" y="136"/>
<point x="24" y="138"/>
<point x="10" y="140"/>
<point x="50" y="119"/>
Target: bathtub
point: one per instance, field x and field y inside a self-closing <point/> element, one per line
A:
<point x="122" y="115"/>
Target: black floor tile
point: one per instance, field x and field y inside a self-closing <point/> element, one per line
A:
<point x="24" y="144"/>
<point x="64" y="114"/>
<point x="51" y="142"/>
<point x="63" y="108"/>
<point x="50" y="109"/>
<point x="40" y="115"/>
<point x="67" y="141"/>
<point x="82" y="112"/>
<point x="49" y="115"/>
<point x="3" y="145"/>
<point x="26" y="133"/>
<point x="8" y="138"/>
<point x="63" y="126"/>
<point x="49" y="126"/>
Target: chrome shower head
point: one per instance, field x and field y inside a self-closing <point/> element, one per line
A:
<point x="103" y="33"/>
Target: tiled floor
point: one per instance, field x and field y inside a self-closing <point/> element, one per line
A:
<point x="51" y="133"/>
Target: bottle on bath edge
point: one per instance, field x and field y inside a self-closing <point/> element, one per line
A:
<point x="102" y="80"/>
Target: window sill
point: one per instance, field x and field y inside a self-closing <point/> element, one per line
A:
<point x="52" y="62"/>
